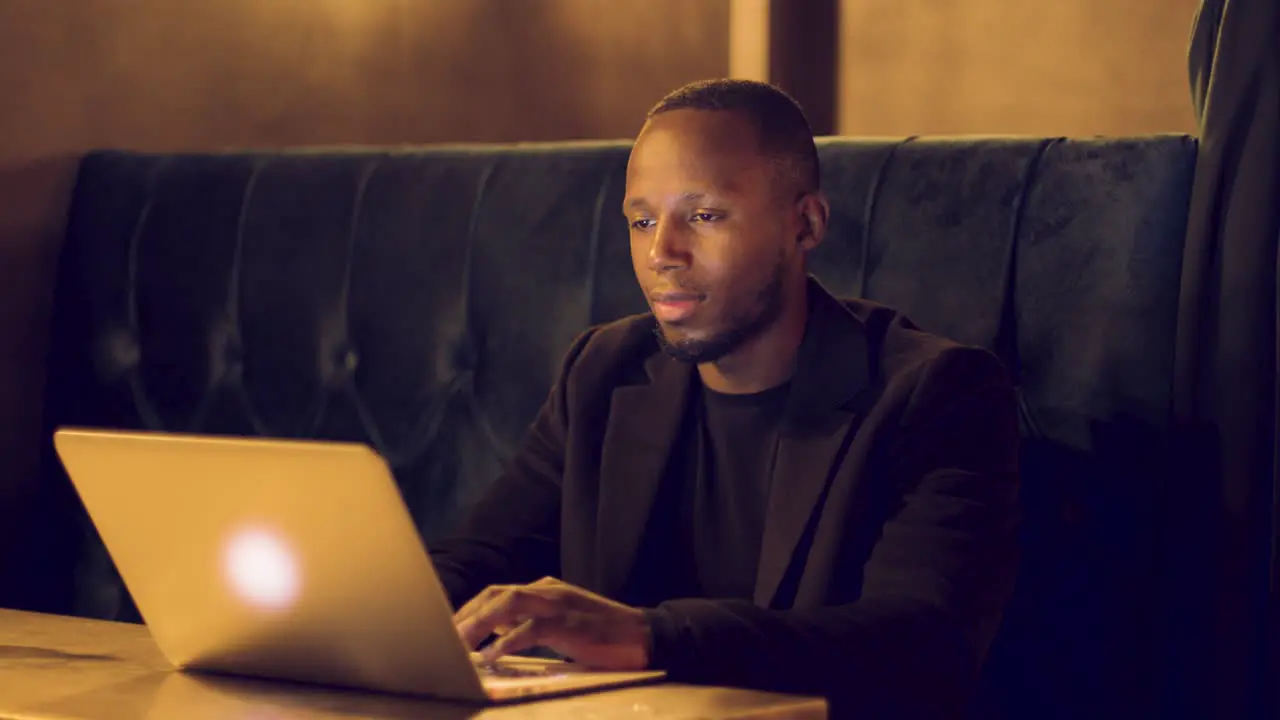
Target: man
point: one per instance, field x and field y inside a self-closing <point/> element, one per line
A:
<point x="756" y="484"/>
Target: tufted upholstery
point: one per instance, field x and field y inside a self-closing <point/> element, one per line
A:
<point x="420" y="299"/>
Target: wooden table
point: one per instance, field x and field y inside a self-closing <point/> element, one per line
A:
<point x="71" y="669"/>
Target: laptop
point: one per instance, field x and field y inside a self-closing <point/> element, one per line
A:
<point x="289" y="560"/>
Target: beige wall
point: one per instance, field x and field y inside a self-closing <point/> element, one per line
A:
<point x="203" y="74"/>
<point x="1051" y="67"/>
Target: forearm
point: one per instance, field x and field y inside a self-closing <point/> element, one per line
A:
<point x="512" y="534"/>
<point x="891" y="655"/>
<point x="509" y="537"/>
<point x="467" y="565"/>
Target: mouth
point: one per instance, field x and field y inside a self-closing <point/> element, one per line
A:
<point x="673" y="307"/>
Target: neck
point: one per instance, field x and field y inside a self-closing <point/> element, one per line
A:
<point x="766" y="360"/>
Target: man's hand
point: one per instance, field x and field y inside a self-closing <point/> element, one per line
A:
<point x="594" y="631"/>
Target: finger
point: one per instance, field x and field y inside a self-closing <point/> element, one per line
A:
<point x="562" y="633"/>
<point x="490" y="593"/>
<point x="509" y="609"/>
<point x="522" y="638"/>
<point x="487" y="597"/>
<point x="466" y="619"/>
<point x="503" y="612"/>
<point x="473" y="629"/>
<point x="570" y="634"/>
<point x="484" y="597"/>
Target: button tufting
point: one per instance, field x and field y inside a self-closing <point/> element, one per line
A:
<point x="119" y="353"/>
<point x="465" y="357"/>
<point x="342" y="366"/>
<point x="233" y="362"/>
<point x="348" y="361"/>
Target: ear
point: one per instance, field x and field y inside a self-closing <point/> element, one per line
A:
<point x="814" y="211"/>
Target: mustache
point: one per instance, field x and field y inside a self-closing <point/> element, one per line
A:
<point x="674" y="293"/>
<point x="672" y="285"/>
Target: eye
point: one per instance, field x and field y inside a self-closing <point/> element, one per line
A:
<point x="706" y="217"/>
<point x="641" y="224"/>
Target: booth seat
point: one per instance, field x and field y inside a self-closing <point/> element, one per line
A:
<point x="419" y="300"/>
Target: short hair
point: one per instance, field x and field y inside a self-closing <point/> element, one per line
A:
<point x="780" y="123"/>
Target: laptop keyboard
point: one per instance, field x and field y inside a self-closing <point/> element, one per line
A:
<point x="502" y="670"/>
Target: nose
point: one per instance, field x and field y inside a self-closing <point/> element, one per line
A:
<point x="668" y="249"/>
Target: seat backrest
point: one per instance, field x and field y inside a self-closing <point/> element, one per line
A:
<point x="420" y="300"/>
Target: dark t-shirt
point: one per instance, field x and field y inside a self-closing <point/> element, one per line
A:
<point x="704" y="532"/>
<point x="729" y="492"/>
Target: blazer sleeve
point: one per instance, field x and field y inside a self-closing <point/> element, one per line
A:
<point x="512" y="534"/>
<point x="934" y="586"/>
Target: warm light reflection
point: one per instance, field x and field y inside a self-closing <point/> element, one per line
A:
<point x="261" y="570"/>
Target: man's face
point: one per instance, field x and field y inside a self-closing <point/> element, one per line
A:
<point x="713" y="231"/>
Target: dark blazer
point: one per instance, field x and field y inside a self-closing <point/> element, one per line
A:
<point x="889" y="545"/>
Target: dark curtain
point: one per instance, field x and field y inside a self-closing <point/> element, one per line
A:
<point x="1223" y="561"/>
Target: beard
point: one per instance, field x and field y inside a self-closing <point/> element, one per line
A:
<point x="744" y="325"/>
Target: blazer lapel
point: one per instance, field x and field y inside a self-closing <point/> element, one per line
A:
<point x="832" y="371"/>
<point x="644" y="421"/>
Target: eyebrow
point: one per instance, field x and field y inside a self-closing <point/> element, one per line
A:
<point x="635" y="203"/>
